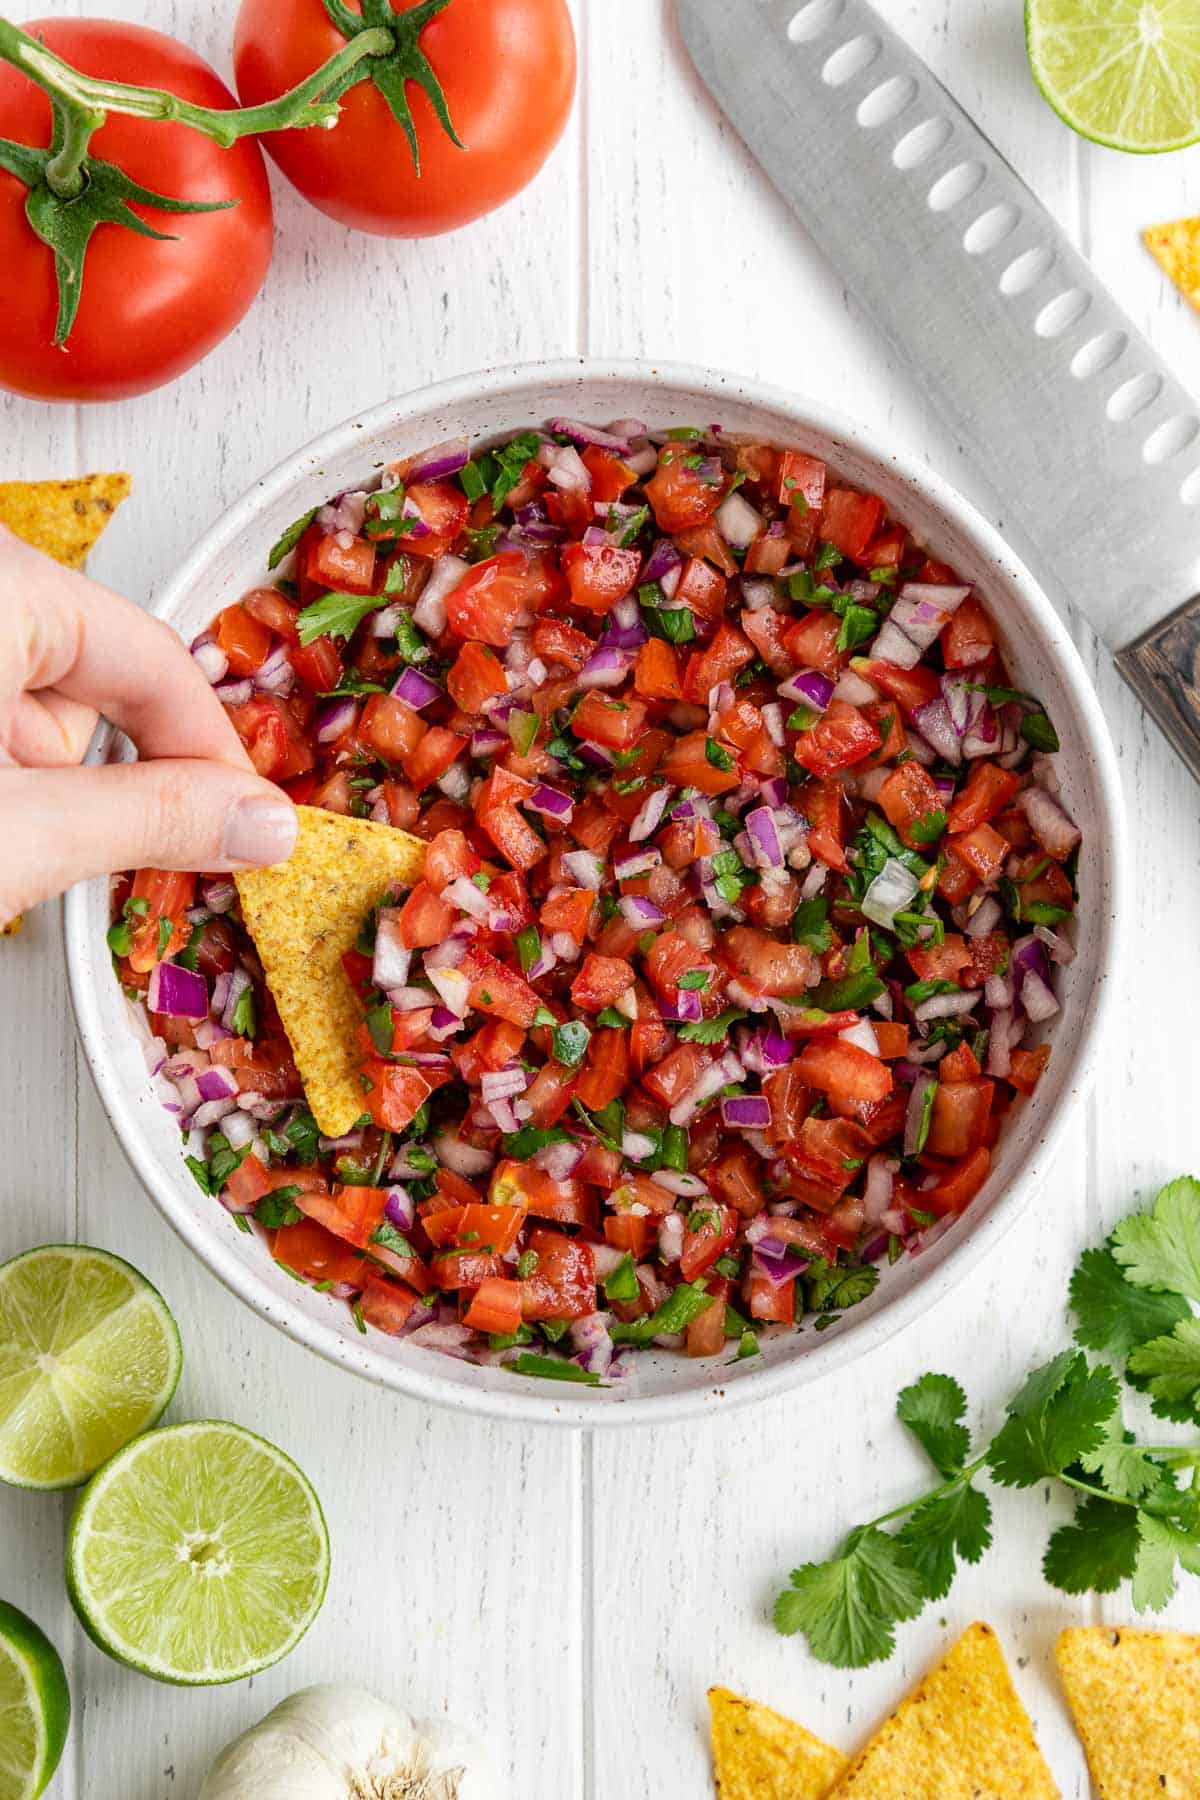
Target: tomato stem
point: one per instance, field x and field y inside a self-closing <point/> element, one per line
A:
<point x="81" y="103"/>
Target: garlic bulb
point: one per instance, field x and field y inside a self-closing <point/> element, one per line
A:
<point x="339" y="1743"/>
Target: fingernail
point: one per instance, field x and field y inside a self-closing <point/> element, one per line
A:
<point x="258" y="830"/>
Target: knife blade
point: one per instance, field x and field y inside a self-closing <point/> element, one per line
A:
<point x="1071" y="413"/>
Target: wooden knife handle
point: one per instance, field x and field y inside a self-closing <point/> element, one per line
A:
<point x="1163" y="669"/>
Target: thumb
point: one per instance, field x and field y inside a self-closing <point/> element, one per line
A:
<point x="64" y="825"/>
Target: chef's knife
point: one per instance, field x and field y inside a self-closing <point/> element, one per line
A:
<point x="1071" y="414"/>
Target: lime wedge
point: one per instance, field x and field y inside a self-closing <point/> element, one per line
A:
<point x="89" y="1356"/>
<point x="35" y="1706"/>
<point x="198" y="1554"/>
<point x="1125" y="73"/>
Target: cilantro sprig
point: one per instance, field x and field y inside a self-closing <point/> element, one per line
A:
<point x="1135" y="1518"/>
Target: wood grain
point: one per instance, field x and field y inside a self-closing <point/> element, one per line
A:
<point x="576" y="1597"/>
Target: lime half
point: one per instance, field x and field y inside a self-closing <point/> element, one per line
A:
<point x="198" y="1554"/>
<point x="35" y="1706"/>
<point x="1125" y="73"/>
<point x="89" y="1356"/>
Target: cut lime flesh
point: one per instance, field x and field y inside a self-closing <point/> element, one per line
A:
<point x="89" y="1356"/>
<point x="35" y="1707"/>
<point x="1125" y="73"/>
<point x="199" y="1554"/>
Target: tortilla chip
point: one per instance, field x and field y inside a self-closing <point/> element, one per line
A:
<point x="760" y="1755"/>
<point x="13" y="926"/>
<point x="1176" y="248"/>
<point x="962" y="1734"/>
<point x="1135" y="1696"/>
<point x="63" y="518"/>
<point x="304" y="915"/>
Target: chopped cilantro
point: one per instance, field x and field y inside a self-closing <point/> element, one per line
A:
<point x="710" y="1031"/>
<point x="335" y="615"/>
<point x="289" y="538"/>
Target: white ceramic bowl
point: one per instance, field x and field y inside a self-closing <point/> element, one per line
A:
<point x="231" y="559"/>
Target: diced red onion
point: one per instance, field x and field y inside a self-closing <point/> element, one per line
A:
<point x="605" y="668"/>
<point x="855" y="689"/>
<point x="335" y="718"/>
<point x="892" y="646"/>
<point x="1038" y="998"/>
<point x="212" y="660"/>
<point x="737" y="521"/>
<point x="945" y="1006"/>
<point x="663" y="559"/>
<point x="639" y="912"/>
<point x="566" y="468"/>
<point x="717" y="1075"/>
<point x="862" y="1035"/>
<point x="176" y="992"/>
<point x="346" y="513"/>
<point x="579" y="433"/>
<point x="559" y="1161"/>
<point x="452" y="987"/>
<point x="212" y="1112"/>
<point x="764" y="838"/>
<point x="275" y="674"/>
<point x="416" y="690"/>
<point x="1061" y="949"/>
<point x="934" y="723"/>
<point x="503" y="1115"/>
<point x="809" y="687"/>
<point x="1055" y="831"/>
<point x="562" y="947"/>
<point x="503" y="1084"/>
<point x="892" y="891"/>
<point x="463" y="893"/>
<point x="685" y="1009"/>
<point x="584" y="867"/>
<point x="649" y="816"/>
<point x="449" y="953"/>
<point x="487" y="742"/>
<point x="592" y="1343"/>
<point x="636" y="1145"/>
<point x="399" y="1208"/>
<point x="409" y="999"/>
<point x="455" y="783"/>
<point x="442" y="460"/>
<point x="239" y="1129"/>
<point x="429" y="614"/>
<point x="814" y="881"/>
<point x="877" y="1193"/>
<point x="239" y="981"/>
<point x="752" y="1111"/>
<point x="985" y="918"/>
<point x="392" y="958"/>
<point x="217" y="1083"/>
<point x="467" y="1160"/>
<point x="630" y="863"/>
<point x="758" y="592"/>
<point x="670" y="1237"/>
<point x="999" y="1059"/>
<point x="773" y="1258"/>
<point x="922" y="609"/>
<point x="234" y="693"/>
<point x="998" y="991"/>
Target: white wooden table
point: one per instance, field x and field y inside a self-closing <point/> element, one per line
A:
<point x="575" y="1595"/>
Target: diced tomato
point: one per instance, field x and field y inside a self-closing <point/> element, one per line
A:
<point x="960" y="1116"/>
<point x="495" y="988"/>
<point x="386" y="1306"/>
<point x="801" y="481"/>
<point x="841" y="736"/>
<point x="434" y="754"/>
<point x="987" y="792"/>
<point x="352" y="1213"/>
<point x="680" y="493"/>
<point x="425" y="918"/>
<point x="598" y="575"/>
<point x="489" y="599"/>
<point x="630" y="1231"/>
<point x="911" y="688"/>
<point x="311" y="1251"/>
<point x="828" y="1154"/>
<point x="821" y="803"/>
<point x="961" y="1064"/>
<point x="557" y="642"/>
<point x="940" y="962"/>
<point x="673" y="1077"/>
<point x="958" y="1185"/>
<point x="318" y="665"/>
<point x="989" y="955"/>
<point x="563" y="1285"/>
<point x="983" y="851"/>
<point x="570" y="911"/>
<point x="728" y="652"/>
<point x="891" y="1037"/>
<point x="396" y="1093"/>
<point x="812" y="643"/>
<point x="773" y="1303"/>
<point x="766" y="630"/>
<point x="691" y="764"/>
<point x="259" y="723"/>
<point x="476" y="676"/>
<point x="443" y="508"/>
<point x="1025" y="1067"/>
<point x="736" y="1179"/>
<point x="706" y="1333"/>
<point x="244" y="639"/>
<point x="391" y="728"/>
<point x="607" y="1072"/>
<point x="166" y="894"/>
<point x="610" y="476"/>
<point x="887" y="550"/>
<point x="617" y="724"/>
<point x="601" y="982"/>
<point x="704" y="543"/>
<point x="907" y="797"/>
<point x="496" y="809"/>
<point x="769" y="966"/>
<point x="463" y="1268"/>
<point x="709" y="1233"/>
<point x="849" y="521"/>
<point x="968" y="636"/>
<point x="348" y="568"/>
<point x="495" y="1306"/>
<point x="448" y="857"/>
<point x="837" y="1067"/>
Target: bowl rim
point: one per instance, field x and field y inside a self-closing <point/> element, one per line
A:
<point x="532" y="1404"/>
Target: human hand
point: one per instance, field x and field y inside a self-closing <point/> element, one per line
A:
<point x="70" y="652"/>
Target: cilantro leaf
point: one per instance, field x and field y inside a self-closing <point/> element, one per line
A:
<point x="277" y="1208"/>
<point x="1113" y="1316"/>
<point x="1096" y="1553"/>
<point x="1160" y="1545"/>
<point x="933" y="1410"/>
<point x="847" y="1607"/>
<point x="1061" y="1413"/>
<point x="1161" y="1249"/>
<point x="710" y="1031"/>
<point x="810" y="925"/>
<point x="335" y="615"/>
<point x="1124" y="1467"/>
<point x="288" y="539"/>
<point x="522" y="1144"/>
<point x="849" y="994"/>
<point x="832" y="1288"/>
<point x="929" y="827"/>
<point x="1170" y="1365"/>
<point x="942" y="1528"/>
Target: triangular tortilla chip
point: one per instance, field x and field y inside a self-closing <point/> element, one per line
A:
<point x="962" y="1734"/>
<point x="760" y="1755"/>
<point x="1135" y="1696"/>
<point x="1176" y="248"/>
<point x="304" y="915"/>
<point x="63" y="518"/>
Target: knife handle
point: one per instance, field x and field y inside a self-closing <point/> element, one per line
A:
<point x="1163" y="669"/>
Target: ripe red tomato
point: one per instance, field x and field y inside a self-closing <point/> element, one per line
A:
<point x="507" y="69"/>
<point x="149" y="309"/>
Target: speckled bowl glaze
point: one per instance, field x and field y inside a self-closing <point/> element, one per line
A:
<point x="231" y="557"/>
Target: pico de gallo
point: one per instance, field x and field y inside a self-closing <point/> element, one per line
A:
<point x="747" y="885"/>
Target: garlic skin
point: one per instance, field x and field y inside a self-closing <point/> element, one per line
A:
<point x="341" y="1743"/>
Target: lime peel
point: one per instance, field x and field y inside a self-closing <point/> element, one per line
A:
<point x="1123" y="73"/>
<point x="35" y="1706"/>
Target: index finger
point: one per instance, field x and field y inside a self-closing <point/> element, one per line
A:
<point x="61" y="630"/>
